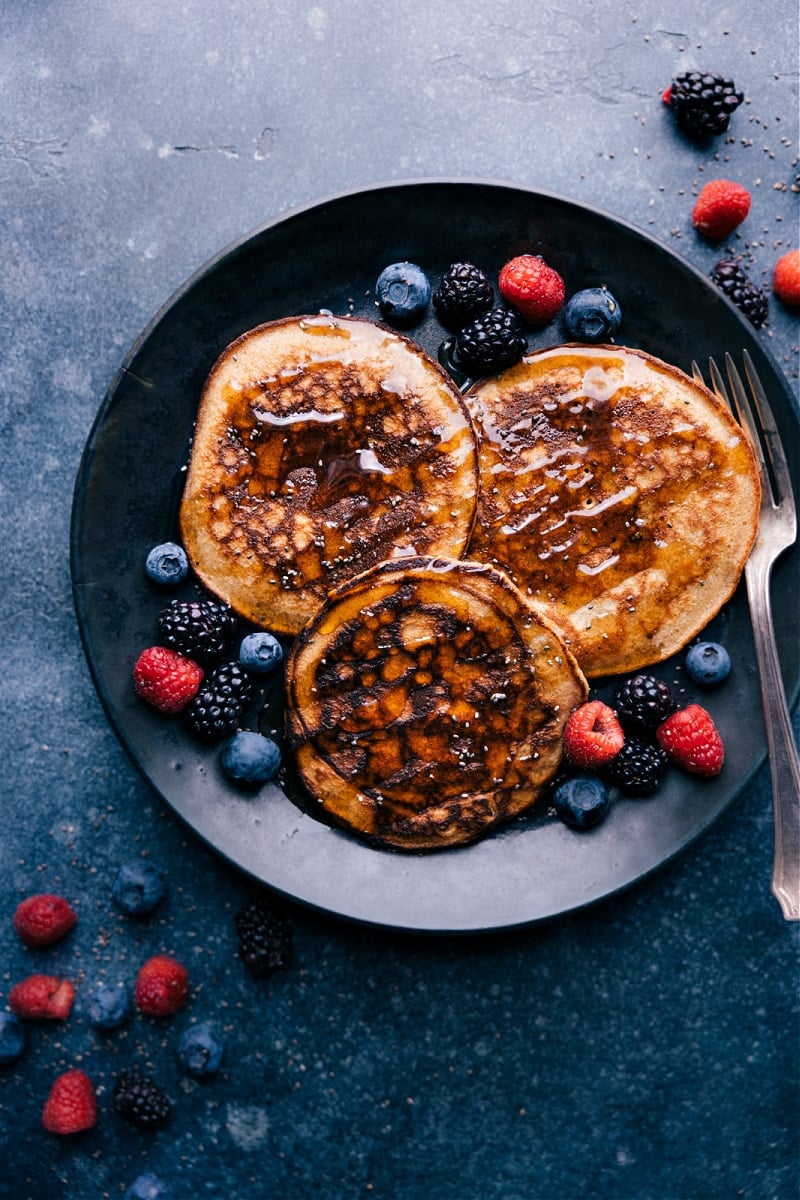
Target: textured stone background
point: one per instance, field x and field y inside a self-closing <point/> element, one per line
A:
<point x="646" y="1049"/>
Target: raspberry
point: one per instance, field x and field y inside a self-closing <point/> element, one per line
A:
<point x="692" y="741"/>
<point x="638" y="768"/>
<point x="216" y="710"/>
<point x="702" y="103"/>
<point x="492" y="341"/>
<point x="71" y="1105"/>
<point x="162" y="986"/>
<point x="750" y="299"/>
<point x="42" y="997"/>
<point x="642" y="702"/>
<point x="463" y="293"/>
<point x="592" y="735"/>
<point x="265" y="938"/>
<point x="721" y="206"/>
<point x="534" y="289"/>
<point x="165" y="679"/>
<point x="786" y="279"/>
<point x="198" y="629"/>
<point x="43" y="920"/>
<point x="139" y="1100"/>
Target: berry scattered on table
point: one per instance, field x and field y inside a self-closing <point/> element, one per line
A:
<point x="786" y="279"/>
<point x="200" y="1051"/>
<point x="463" y="294"/>
<point x="492" y="341"/>
<point x="13" y="1038"/>
<point x="43" y="920"/>
<point x="403" y="292"/>
<point x="746" y="295"/>
<point x="265" y="938"/>
<point x="162" y="986"/>
<point x="108" y="1006"/>
<point x="71" y="1106"/>
<point x="138" y="1099"/>
<point x="642" y="702"/>
<point x="198" y="629"/>
<point x="708" y="663"/>
<point x="692" y="741"/>
<point x="638" y="768"/>
<point x="42" y="997"/>
<point x="260" y="653"/>
<point x="592" y="735"/>
<point x="166" y="679"/>
<point x="702" y="103"/>
<point x="250" y="759"/>
<point x="581" y="801"/>
<point x="138" y="888"/>
<point x="592" y="315"/>
<point x="216" y="711"/>
<point x="720" y="208"/>
<point x="149" y="1186"/>
<point x="167" y="564"/>
<point x="533" y="288"/>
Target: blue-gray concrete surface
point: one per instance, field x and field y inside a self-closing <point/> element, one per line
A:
<point x="646" y="1049"/>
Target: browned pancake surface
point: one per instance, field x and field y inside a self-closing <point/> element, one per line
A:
<point x="426" y="702"/>
<point x="323" y="445"/>
<point x="618" y="494"/>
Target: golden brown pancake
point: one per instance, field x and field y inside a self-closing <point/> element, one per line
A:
<point x="323" y="445"/>
<point x="619" y="495"/>
<point x="426" y="702"/>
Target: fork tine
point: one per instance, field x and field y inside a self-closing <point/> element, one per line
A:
<point x="718" y="383"/>
<point x="780" y="467"/>
<point x="744" y="412"/>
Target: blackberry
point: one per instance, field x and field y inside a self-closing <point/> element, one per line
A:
<point x="463" y="293"/>
<point x="638" y="768"/>
<point x="139" y="1100"/>
<point x="747" y="296"/>
<point x="492" y="341"/>
<point x="265" y="938"/>
<point x="216" y="710"/>
<point x="643" y="702"/>
<point x="703" y="104"/>
<point x="200" y="629"/>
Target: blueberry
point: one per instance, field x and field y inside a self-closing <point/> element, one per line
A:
<point x="260" y="653"/>
<point x="200" y="1051"/>
<point x="403" y="291"/>
<point x="138" y="888"/>
<point x="592" y="315"/>
<point x="581" y="801"/>
<point x="708" y="663"/>
<point x="167" y="564"/>
<point x="149" y="1187"/>
<point x="12" y="1038"/>
<point x="108" y="1007"/>
<point x="250" y="759"/>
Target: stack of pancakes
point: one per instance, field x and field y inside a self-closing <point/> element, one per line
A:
<point x="455" y="568"/>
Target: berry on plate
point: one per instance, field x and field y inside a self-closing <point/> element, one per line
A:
<point x="198" y="629"/>
<point x="166" y="679"/>
<point x="464" y="293"/>
<point x="250" y="759"/>
<point x="43" y="919"/>
<point x="162" y="986"/>
<point x="138" y="888"/>
<point x="492" y="341"/>
<point x="42" y="997"/>
<point x="200" y="1051"/>
<point x="642" y="702"/>
<point x="581" y="801"/>
<point x="13" y="1038"/>
<point x="71" y="1106"/>
<point x="216" y="711"/>
<point x="748" y="297"/>
<point x="786" y="279"/>
<point x="720" y="208"/>
<point x="592" y="735"/>
<point x="108" y="1007"/>
<point x="403" y="292"/>
<point x="692" y="741"/>
<point x="592" y="315"/>
<point x="260" y="653"/>
<point x="702" y="103"/>
<point x="265" y="938"/>
<point x="534" y="289"/>
<point x="167" y="564"/>
<point x="708" y="663"/>
<point x="638" y="768"/>
<point x="141" y="1101"/>
<point x="149" y="1186"/>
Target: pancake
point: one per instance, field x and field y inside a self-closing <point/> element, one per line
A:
<point x="323" y="445"/>
<point x="618" y="494"/>
<point x="426" y="703"/>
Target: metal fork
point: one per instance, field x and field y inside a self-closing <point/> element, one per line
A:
<point x="777" y="531"/>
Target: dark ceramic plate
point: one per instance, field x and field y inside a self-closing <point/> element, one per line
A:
<point x="126" y="497"/>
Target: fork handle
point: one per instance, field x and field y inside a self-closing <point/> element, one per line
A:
<point x="783" y="758"/>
